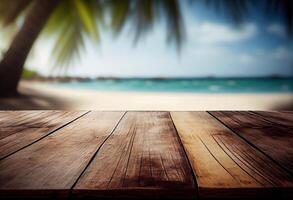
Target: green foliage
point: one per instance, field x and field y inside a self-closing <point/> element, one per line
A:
<point x="26" y="74"/>
<point x="70" y="23"/>
<point x="120" y="11"/>
<point x="143" y="14"/>
<point x="73" y="21"/>
<point x="87" y="17"/>
<point x="11" y="10"/>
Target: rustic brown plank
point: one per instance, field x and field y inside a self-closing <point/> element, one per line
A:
<point x="274" y="140"/>
<point x="10" y="120"/>
<point x="142" y="158"/>
<point x="7" y="116"/>
<point x="225" y="165"/>
<point x="14" y="121"/>
<point x="52" y="165"/>
<point x="279" y="118"/>
<point x="15" y="118"/>
<point x="4" y="114"/>
<point x="29" y="129"/>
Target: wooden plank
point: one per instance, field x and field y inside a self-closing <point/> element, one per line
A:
<point x="11" y="119"/>
<point x="30" y="129"/>
<point x="15" y="118"/>
<point x="142" y="158"/>
<point x="14" y="121"/>
<point x="6" y="116"/>
<point x="51" y="166"/>
<point x="272" y="139"/>
<point x="279" y="118"/>
<point x="224" y="164"/>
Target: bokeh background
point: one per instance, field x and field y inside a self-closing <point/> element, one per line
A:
<point x="147" y="55"/>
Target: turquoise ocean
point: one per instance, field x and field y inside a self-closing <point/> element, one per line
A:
<point x="194" y="85"/>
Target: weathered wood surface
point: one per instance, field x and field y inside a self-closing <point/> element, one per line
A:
<point x="53" y="164"/>
<point x="221" y="160"/>
<point x="269" y="136"/>
<point x="18" y="131"/>
<point x="278" y="118"/>
<point x="142" y="157"/>
<point x="215" y="155"/>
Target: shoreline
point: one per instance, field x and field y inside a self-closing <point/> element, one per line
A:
<point x="40" y="95"/>
<point x="63" y="79"/>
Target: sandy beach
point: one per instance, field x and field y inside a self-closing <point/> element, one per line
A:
<point x="39" y="95"/>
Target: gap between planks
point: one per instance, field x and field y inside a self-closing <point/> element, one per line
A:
<point x="47" y="134"/>
<point x="126" y="178"/>
<point x="203" y="126"/>
<point x="188" y="160"/>
<point x="94" y="155"/>
<point x="258" y="115"/>
<point x="23" y="181"/>
<point x="180" y="141"/>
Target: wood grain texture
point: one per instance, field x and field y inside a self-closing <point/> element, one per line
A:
<point x="11" y="121"/>
<point x="142" y="158"/>
<point x="271" y="138"/>
<point x="284" y="119"/>
<point x="51" y="166"/>
<point x="224" y="164"/>
<point x="18" y="130"/>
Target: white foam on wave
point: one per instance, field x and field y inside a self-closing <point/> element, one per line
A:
<point x="285" y="87"/>
<point x="231" y="83"/>
<point x="214" y="88"/>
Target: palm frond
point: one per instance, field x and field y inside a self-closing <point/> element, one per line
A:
<point x="120" y="11"/>
<point x="143" y="19"/>
<point x="284" y="9"/>
<point x="11" y="10"/>
<point x="141" y="15"/>
<point x="69" y="45"/>
<point x="234" y="9"/>
<point x="69" y="41"/>
<point x="70" y="23"/>
<point x="56" y="20"/>
<point x="175" y="24"/>
<point x="87" y="18"/>
<point x="8" y="32"/>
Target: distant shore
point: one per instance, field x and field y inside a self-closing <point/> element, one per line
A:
<point x="39" y="78"/>
<point x="41" y="95"/>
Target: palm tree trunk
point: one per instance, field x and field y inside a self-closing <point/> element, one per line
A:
<point x="11" y="66"/>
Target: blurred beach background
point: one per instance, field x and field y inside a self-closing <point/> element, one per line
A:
<point x="226" y="60"/>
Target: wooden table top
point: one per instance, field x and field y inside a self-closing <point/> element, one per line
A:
<point x="197" y="155"/>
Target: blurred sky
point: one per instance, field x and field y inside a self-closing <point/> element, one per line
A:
<point x="215" y="46"/>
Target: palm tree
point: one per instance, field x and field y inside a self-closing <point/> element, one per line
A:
<point x="70" y="18"/>
<point x="73" y="20"/>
